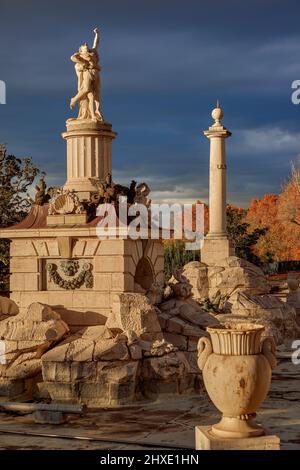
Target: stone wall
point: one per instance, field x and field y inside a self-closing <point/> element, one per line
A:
<point x="113" y="262"/>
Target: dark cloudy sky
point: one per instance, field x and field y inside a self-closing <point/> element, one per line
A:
<point x="164" y="64"/>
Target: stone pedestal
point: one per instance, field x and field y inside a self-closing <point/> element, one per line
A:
<point x="205" y="440"/>
<point x="214" y="249"/>
<point x="216" y="245"/>
<point x="89" y="148"/>
<point x="113" y="267"/>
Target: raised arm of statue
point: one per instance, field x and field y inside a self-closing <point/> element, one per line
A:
<point x="76" y="57"/>
<point x="96" y="39"/>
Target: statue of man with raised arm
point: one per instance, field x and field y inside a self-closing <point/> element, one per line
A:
<point x="87" y="69"/>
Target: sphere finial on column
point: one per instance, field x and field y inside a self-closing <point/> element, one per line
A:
<point x="217" y="114"/>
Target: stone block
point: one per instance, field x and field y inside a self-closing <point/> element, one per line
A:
<point x="214" y="250"/>
<point x="134" y="312"/>
<point x="160" y="277"/>
<point x="91" y="247"/>
<point x="88" y="299"/>
<point x="193" y="343"/>
<point x="74" y="219"/>
<point x="80" y="350"/>
<point x="86" y="371"/>
<point x="65" y="246"/>
<point x="175" y="325"/>
<point x="68" y="392"/>
<point x="163" y="319"/>
<point x="11" y="388"/>
<point x="110" y="350"/>
<point x="130" y="249"/>
<point x="52" y="246"/>
<point x="139" y="248"/>
<point x="24" y="282"/>
<point x="111" y="247"/>
<point x="56" y="371"/>
<point x="94" y="393"/>
<point x="159" y="264"/>
<point x="17" y="281"/>
<point x="31" y="282"/>
<point x="22" y="248"/>
<point x="83" y="317"/>
<point x="122" y="282"/>
<point x="109" y="264"/>
<point x="129" y="265"/>
<point x="179" y="341"/>
<point x="55" y="220"/>
<point x="16" y="298"/>
<point x="57" y="354"/>
<point x="26" y="298"/>
<point x="196" y="273"/>
<point x="102" y="282"/>
<point x="205" y="440"/>
<point x="24" y="265"/>
<point x="49" y="417"/>
<point x="59" y="298"/>
<point x="79" y="247"/>
<point x="41" y="247"/>
<point x="122" y="393"/>
<point x="136" y="352"/>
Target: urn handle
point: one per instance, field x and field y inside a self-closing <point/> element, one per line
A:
<point x="269" y="350"/>
<point x="204" y="351"/>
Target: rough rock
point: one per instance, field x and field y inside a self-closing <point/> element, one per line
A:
<point x="234" y="274"/>
<point x="134" y="312"/>
<point x="104" y="384"/>
<point x="23" y="339"/>
<point x="93" y="366"/>
<point x="196" y="273"/>
<point x="185" y="317"/>
<point x="160" y="348"/>
<point x="7" y="308"/>
<point x="278" y="317"/>
<point x="94" y="343"/>
<point x="168" y="374"/>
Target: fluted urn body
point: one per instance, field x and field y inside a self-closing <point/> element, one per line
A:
<point x="237" y="367"/>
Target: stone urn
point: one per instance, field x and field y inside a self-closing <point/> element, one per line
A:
<point x="237" y="366"/>
<point x="293" y="281"/>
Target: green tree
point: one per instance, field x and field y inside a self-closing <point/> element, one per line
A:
<point x="16" y="176"/>
<point x="176" y="256"/>
<point x="243" y="239"/>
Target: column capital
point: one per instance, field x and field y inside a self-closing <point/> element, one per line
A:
<point x="217" y="129"/>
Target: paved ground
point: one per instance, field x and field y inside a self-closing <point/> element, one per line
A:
<point x="168" y="424"/>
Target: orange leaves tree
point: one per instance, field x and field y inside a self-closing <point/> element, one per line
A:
<point x="281" y="215"/>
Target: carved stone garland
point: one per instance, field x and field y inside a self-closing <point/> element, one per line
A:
<point x="84" y="277"/>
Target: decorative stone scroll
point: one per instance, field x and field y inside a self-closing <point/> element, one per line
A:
<point x="70" y="268"/>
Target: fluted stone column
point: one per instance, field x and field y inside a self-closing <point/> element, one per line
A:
<point x="89" y="150"/>
<point x="216" y="244"/>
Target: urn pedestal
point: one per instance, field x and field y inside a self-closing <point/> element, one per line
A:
<point x="237" y="367"/>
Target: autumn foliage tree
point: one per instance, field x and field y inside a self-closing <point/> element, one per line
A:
<point x="281" y="215"/>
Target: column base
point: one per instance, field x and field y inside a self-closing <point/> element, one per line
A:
<point x="206" y="440"/>
<point x="215" y="248"/>
<point x="83" y="187"/>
